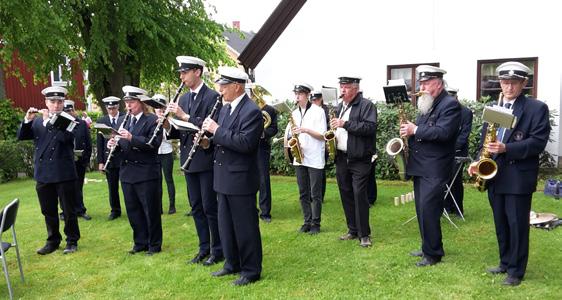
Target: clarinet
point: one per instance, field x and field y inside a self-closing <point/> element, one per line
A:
<point x="112" y="149"/>
<point x="199" y="136"/>
<point x="161" y="120"/>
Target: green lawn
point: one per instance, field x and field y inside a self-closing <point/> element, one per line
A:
<point x="294" y="265"/>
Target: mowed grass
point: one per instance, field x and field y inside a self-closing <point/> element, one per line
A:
<point x="295" y="266"/>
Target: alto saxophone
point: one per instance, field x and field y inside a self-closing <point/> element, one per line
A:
<point x="486" y="167"/>
<point x="293" y="143"/>
<point x="330" y="136"/>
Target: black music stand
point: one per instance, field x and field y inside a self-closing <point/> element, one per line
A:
<point x="459" y="160"/>
<point x="395" y="94"/>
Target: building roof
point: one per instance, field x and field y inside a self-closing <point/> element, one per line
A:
<point x="238" y="40"/>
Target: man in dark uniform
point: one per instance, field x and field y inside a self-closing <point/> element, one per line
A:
<point x="264" y="155"/>
<point x="317" y="99"/>
<point x="356" y="123"/>
<point x="82" y="153"/>
<point x="516" y="153"/>
<point x="461" y="150"/>
<point x="140" y="172"/>
<point x="54" y="171"/>
<point x="194" y="107"/>
<point x="236" y="180"/>
<point x="431" y="157"/>
<point x="113" y="119"/>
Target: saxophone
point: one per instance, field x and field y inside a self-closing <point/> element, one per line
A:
<point x="293" y="143"/>
<point x="486" y="167"/>
<point x="258" y="93"/>
<point x="330" y="136"/>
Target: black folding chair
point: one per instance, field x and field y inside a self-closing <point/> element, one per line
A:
<point x="8" y="216"/>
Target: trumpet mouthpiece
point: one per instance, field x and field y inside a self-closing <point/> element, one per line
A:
<point x="419" y="93"/>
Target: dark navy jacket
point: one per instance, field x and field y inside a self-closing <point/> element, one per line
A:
<point x="54" y="151"/>
<point x="83" y="141"/>
<point x="236" y="152"/>
<point x="138" y="160"/>
<point x="465" y="127"/>
<point x="270" y="131"/>
<point x="432" y="148"/>
<point x="518" y="167"/>
<point x="198" y="110"/>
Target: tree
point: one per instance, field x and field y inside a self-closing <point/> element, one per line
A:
<point x="118" y="42"/>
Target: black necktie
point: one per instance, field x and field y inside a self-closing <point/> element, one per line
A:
<point x="227" y="113"/>
<point x="113" y="123"/>
<point x="501" y="131"/>
<point x="191" y="102"/>
<point x="132" y="125"/>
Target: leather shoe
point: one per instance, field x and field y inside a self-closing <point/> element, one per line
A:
<point x="199" y="258"/>
<point x="172" y="210"/>
<point x="137" y="250"/>
<point x="85" y="216"/>
<point x="511" y="281"/>
<point x="151" y="252"/>
<point x="70" y="249"/>
<point x="314" y="229"/>
<point x="61" y="216"/>
<point x="417" y="253"/>
<point x="304" y="228"/>
<point x="348" y="237"/>
<point x="497" y="270"/>
<point x="266" y="219"/>
<point x="427" y="261"/>
<point x="213" y="260"/>
<point x="365" y="242"/>
<point x="243" y="281"/>
<point x="222" y="272"/>
<point x="47" y="249"/>
<point x="113" y="216"/>
<point x="189" y="213"/>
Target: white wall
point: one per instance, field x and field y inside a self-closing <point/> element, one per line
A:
<point x="330" y="38"/>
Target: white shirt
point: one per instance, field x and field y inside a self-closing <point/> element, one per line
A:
<point x="196" y="90"/>
<point x="341" y="133"/>
<point x="234" y="103"/>
<point x="166" y="146"/>
<point x="313" y="149"/>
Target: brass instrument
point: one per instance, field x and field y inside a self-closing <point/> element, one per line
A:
<point x="293" y="143"/>
<point x="258" y="93"/>
<point x="199" y="137"/>
<point x="330" y="136"/>
<point x="163" y="118"/>
<point x="112" y="149"/>
<point x="486" y="167"/>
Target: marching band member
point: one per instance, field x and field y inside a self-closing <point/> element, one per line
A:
<point x="140" y="173"/>
<point x="194" y="107"/>
<point x="236" y="177"/>
<point x="54" y="172"/>
<point x="113" y="119"/>
<point x="516" y="154"/>
<point x="356" y="129"/>
<point x="166" y="159"/>
<point x="431" y="158"/>
<point x="310" y="125"/>
<point x="317" y="99"/>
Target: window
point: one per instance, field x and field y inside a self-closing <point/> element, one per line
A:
<point x="406" y="72"/>
<point x="489" y="84"/>
<point x="57" y="77"/>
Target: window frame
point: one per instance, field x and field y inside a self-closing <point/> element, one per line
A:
<point x="413" y="72"/>
<point x="480" y="62"/>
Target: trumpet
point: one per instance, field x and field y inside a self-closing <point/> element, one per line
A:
<point x="199" y="137"/>
<point x="116" y="138"/>
<point x="161" y="120"/>
<point x="486" y="167"/>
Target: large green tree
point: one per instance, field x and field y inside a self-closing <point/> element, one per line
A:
<point x="118" y="42"/>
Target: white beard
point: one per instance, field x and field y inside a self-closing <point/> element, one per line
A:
<point x="425" y="102"/>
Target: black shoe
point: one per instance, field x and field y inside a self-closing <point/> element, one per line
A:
<point x="266" y="219"/>
<point x="416" y="253"/>
<point x="70" y="249"/>
<point x="151" y="252"/>
<point x="189" y="213"/>
<point x="365" y="242"/>
<point x="427" y="261"/>
<point x="61" y="216"/>
<point x="213" y="260"/>
<point x="85" y="216"/>
<point x="304" y="228"/>
<point x="348" y="236"/>
<point x="243" y="281"/>
<point x="511" y="281"/>
<point x="222" y="272"/>
<point x="113" y="216"/>
<point x="199" y="258"/>
<point x="48" y="248"/>
<point x="172" y="210"/>
<point x="137" y="250"/>
<point x="314" y="229"/>
<point x="497" y="270"/>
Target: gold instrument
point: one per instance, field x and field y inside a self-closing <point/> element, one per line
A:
<point x="486" y="167"/>
<point x="293" y="143"/>
<point x="116" y="138"/>
<point x="330" y="136"/>
<point x="258" y="93"/>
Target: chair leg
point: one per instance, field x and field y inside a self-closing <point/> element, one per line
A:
<point x="5" y="267"/>
<point x="18" y="254"/>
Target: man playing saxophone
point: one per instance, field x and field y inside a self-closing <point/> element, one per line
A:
<point x="431" y="143"/>
<point x="516" y="153"/>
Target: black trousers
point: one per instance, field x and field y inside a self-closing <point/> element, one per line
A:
<point x="112" y="176"/>
<point x="428" y="194"/>
<point x="511" y="217"/>
<point x="143" y="210"/>
<point x="457" y="190"/>
<point x="167" y="169"/>
<point x="309" y="181"/>
<point x="204" y="208"/>
<point x="79" y="186"/>
<point x="240" y="233"/>
<point x="264" y="152"/>
<point x="353" y="179"/>
<point x="372" y="194"/>
<point x="48" y="194"/>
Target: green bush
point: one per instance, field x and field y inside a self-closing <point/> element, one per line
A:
<point x="10" y="118"/>
<point x="17" y="157"/>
